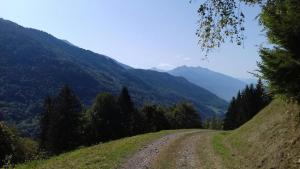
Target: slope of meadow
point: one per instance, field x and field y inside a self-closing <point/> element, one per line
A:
<point x="270" y="140"/>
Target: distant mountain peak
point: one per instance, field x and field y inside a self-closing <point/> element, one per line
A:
<point x="157" y="69"/>
<point x="222" y="85"/>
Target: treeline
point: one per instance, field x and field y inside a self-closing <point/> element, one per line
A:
<point x="65" y="124"/>
<point x="245" y="105"/>
<point x="214" y="122"/>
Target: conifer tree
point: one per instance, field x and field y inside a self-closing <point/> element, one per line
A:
<point x="229" y="120"/>
<point x="45" y="122"/>
<point x="61" y="122"/>
<point x="127" y="112"/>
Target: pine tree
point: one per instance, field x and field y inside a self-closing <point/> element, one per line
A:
<point x="280" y="64"/>
<point x="45" y="122"/>
<point x="61" y="122"/>
<point x="127" y="112"/>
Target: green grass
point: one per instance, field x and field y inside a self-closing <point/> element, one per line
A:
<point x="219" y="147"/>
<point x="227" y="155"/>
<point x="261" y="142"/>
<point x="103" y="156"/>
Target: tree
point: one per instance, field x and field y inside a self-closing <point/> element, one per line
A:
<point x="229" y="120"/>
<point x="7" y="142"/>
<point x="127" y="112"/>
<point x="222" y="20"/>
<point x="61" y="122"/>
<point x="105" y="115"/>
<point x="280" y="65"/>
<point x="45" y="122"/>
<point x="184" y="115"/>
<point x="155" y="118"/>
<point x="13" y="148"/>
<point x="213" y="122"/>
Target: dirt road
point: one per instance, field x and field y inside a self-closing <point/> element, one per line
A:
<point x="183" y="150"/>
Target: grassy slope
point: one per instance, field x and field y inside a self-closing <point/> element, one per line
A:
<point x="270" y="140"/>
<point x="104" y="156"/>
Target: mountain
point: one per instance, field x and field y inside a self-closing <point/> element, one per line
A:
<point x="222" y="85"/>
<point x="34" y="64"/>
<point x="157" y="69"/>
<point x="249" y="80"/>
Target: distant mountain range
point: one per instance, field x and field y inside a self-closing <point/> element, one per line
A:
<point x="35" y="64"/>
<point x="222" y="85"/>
<point x="249" y="80"/>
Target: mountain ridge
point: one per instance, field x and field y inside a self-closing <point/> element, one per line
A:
<point x="218" y="83"/>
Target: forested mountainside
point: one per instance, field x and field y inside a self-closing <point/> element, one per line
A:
<point x="35" y="64"/>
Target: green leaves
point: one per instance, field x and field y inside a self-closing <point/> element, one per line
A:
<point x="281" y="64"/>
<point x="220" y="20"/>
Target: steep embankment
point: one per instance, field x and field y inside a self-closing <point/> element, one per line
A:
<point x="270" y="140"/>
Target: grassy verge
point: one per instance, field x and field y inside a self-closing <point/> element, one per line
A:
<point x="103" y="156"/>
<point x="230" y="160"/>
<point x="219" y="147"/>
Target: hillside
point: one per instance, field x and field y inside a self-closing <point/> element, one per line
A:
<point x="270" y="140"/>
<point x="35" y="64"/>
<point x="222" y="85"/>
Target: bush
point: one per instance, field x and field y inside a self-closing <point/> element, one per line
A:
<point x="13" y="148"/>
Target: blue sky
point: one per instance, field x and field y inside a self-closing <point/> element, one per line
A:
<point x="139" y="33"/>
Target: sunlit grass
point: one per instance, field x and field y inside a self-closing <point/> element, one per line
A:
<point x="103" y="156"/>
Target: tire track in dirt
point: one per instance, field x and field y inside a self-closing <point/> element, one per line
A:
<point x="193" y="151"/>
<point x="208" y="158"/>
<point x="187" y="157"/>
<point x="148" y="154"/>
